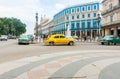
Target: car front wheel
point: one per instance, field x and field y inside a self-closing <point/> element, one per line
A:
<point x="71" y="43"/>
<point x="51" y="43"/>
<point x="114" y="43"/>
<point x="102" y="43"/>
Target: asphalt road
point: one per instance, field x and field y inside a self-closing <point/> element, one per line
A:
<point x="10" y="50"/>
<point x="84" y="60"/>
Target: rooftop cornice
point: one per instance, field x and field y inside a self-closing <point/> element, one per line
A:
<point x="78" y="5"/>
<point x="104" y="1"/>
<point x="83" y="4"/>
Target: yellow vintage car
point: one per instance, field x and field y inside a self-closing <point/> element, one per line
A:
<point x="59" y="39"/>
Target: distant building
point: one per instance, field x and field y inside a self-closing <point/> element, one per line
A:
<point x="111" y="17"/>
<point x="82" y="20"/>
<point x="45" y="27"/>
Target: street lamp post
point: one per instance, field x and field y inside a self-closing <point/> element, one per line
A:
<point x="98" y="24"/>
<point x="36" y="17"/>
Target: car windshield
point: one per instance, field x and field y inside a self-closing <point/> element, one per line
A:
<point x="23" y="37"/>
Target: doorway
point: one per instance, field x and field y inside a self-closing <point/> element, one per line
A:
<point x="118" y="32"/>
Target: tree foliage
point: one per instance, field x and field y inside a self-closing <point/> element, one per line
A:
<point x="11" y="26"/>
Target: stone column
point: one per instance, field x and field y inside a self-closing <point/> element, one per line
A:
<point x="75" y="33"/>
<point x="91" y="35"/>
<point x="103" y="32"/>
<point x="115" y="31"/>
<point x="81" y="35"/>
<point x="107" y="31"/>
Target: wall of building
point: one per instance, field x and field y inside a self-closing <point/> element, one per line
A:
<point x="111" y="17"/>
<point x="79" y="17"/>
<point x="45" y="27"/>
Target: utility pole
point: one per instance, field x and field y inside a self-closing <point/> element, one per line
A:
<point x="36" y="17"/>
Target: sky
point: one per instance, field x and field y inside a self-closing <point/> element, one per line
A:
<point x="25" y="9"/>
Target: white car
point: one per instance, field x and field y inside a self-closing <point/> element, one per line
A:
<point x="3" y="37"/>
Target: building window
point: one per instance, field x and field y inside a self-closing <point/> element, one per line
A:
<point x="78" y="10"/>
<point x="95" y="7"/>
<point x="67" y="11"/>
<point x="119" y="2"/>
<point x="67" y="18"/>
<point x="94" y="24"/>
<point x="73" y="10"/>
<point x="73" y="25"/>
<point x="88" y="8"/>
<point x="78" y="25"/>
<point x="64" y="12"/>
<point x="111" y="18"/>
<point x="83" y="9"/>
<point x="88" y="15"/>
<point x="83" y="16"/>
<point x="83" y="25"/>
<point x="88" y="25"/>
<point x="72" y="17"/>
<point x="66" y="25"/>
<point x="78" y="16"/>
<point x="110" y="6"/>
<point x="95" y="14"/>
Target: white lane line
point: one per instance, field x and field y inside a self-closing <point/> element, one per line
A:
<point x="93" y="70"/>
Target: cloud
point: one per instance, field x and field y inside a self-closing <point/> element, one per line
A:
<point x="59" y="6"/>
<point x="26" y="9"/>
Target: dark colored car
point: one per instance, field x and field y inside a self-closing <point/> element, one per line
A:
<point x="111" y="39"/>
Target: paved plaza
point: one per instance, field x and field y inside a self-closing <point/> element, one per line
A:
<point x="85" y="60"/>
<point x="67" y="65"/>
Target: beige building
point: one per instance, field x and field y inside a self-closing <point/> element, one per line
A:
<point x="45" y="27"/>
<point x="111" y="17"/>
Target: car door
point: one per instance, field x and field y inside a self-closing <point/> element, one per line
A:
<point x="63" y="40"/>
<point x="56" y="39"/>
<point x="117" y="39"/>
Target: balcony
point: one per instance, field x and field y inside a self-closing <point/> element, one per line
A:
<point x="111" y="9"/>
<point x="111" y="23"/>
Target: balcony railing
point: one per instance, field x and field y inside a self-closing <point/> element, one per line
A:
<point x="111" y="9"/>
<point x="111" y="23"/>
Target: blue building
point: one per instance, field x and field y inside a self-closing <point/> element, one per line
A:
<point x="82" y="20"/>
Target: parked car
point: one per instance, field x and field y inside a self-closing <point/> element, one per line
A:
<point x="23" y="40"/>
<point x="111" y="39"/>
<point x="3" y="37"/>
<point x="12" y="37"/>
<point x="31" y="38"/>
<point x="59" y="39"/>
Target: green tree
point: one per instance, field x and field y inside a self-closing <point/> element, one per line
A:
<point x="12" y="26"/>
